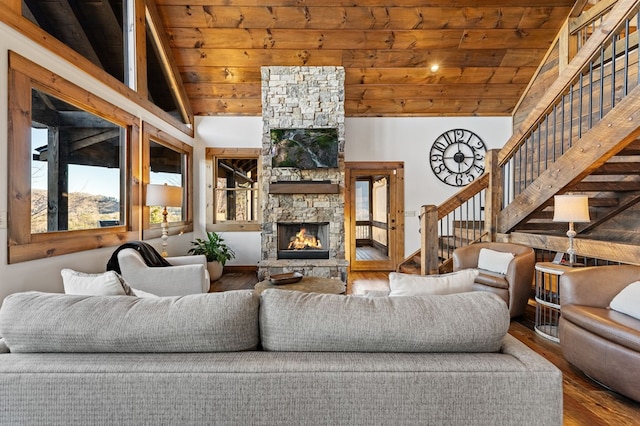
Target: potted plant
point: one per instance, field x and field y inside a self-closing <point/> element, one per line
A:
<point x="216" y="251"/>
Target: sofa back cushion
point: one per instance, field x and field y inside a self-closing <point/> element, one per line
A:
<point x="215" y="322"/>
<point x="463" y="322"/>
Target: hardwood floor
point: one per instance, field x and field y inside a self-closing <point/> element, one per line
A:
<point x="585" y="402"/>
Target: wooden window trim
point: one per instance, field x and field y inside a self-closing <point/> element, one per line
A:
<point x="211" y="155"/>
<point x="151" y="133"/>
<point x="23" y="246"/>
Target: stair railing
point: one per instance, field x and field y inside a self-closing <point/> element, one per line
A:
<point x="601" y="74"/>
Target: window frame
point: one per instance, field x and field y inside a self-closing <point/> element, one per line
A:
<point x="149" y="134"/>
<point x="24" y="76"/>
<point x="212" y="155"/>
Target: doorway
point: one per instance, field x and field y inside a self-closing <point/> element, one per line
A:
<point x="374" y="215"/>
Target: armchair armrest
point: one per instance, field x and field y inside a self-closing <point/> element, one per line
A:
<point x="175" y="280"/>
<point x="199" y="259"/>
<point x="596" y="286"/>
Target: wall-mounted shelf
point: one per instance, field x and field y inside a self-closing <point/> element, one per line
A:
<point x="304" y="187"/>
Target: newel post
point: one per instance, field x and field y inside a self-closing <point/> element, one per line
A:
<point x="493" y="197"/>
<point x="429" y="240"/>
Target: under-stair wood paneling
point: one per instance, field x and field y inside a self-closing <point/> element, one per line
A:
<point x="487" y="53"/>
<point x="606" y="250"/>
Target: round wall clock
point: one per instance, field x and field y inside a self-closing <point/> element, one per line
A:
<point x="457" y="157"/>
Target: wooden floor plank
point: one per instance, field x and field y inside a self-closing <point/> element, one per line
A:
<point x="585" y="402"/>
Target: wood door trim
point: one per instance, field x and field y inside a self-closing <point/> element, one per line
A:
<point x="397" y="210"/>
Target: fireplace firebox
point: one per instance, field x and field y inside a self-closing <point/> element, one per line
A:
<point x="303" y="240"/>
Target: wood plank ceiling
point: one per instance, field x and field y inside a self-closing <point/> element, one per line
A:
<point x="487" y="51"/>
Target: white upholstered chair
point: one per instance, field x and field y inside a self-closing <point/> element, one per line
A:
<point x="186" y="275"/>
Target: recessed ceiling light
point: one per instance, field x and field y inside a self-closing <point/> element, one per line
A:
<point x="435" y="67"/>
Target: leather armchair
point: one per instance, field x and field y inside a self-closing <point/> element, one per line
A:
<point x="601" y="342"/>
<point x="515" y="286"/>
<point x="187" y="275"/>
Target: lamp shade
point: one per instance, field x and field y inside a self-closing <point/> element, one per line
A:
<point x="164" y="195"/>
<point x="571" y="208"/>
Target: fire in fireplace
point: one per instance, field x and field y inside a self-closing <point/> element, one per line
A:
<point x="303" y="240"/>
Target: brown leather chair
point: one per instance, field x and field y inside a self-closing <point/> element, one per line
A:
<point x="515" y="286"/>
<point x="601" y="342"/>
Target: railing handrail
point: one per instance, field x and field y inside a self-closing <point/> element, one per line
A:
<point x="464" y="195"/>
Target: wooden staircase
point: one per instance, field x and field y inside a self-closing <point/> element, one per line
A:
<point x="583" y="136"/>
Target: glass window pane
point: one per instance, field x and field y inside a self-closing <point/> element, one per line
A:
<point x="93" y="29"/>
<point x="236" y="193"/>
<point x="362" y="200"/>
<point x="75" y="167"/>
<point x="159" y="87"/>
<point x="166" y="167"/>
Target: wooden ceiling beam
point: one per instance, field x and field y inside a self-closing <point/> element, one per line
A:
<point x="454" y="91"/>
<point x="243" y="38"/>
<point x="256" y="57"/>
<point x="444" y="75"/>
<point x="360" y="17"/>
<point x="383" y="3"/>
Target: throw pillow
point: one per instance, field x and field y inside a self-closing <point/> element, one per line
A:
<point x="494" y="261"/>
<point x="628" y="300"/>
<point x="424" y="285"/>
<point x="109" y="283"/>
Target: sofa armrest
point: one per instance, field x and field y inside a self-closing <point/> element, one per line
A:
<point x="596" y="286"/>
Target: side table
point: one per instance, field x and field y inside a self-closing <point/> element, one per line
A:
<point x="548" y="298"/>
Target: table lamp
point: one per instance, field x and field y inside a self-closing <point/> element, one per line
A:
<point x="164" y="196"/>
<point x="571" y="208"/>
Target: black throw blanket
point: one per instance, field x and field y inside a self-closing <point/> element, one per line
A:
<point x="150" y="256"/>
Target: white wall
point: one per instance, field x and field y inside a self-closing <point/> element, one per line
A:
<point x="44" y="274"/>
<point x="410" y="140"/>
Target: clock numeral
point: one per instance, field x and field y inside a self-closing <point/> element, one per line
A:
<point x="438" y="169"/>
<point x="436" y="157"/>
<point x="440" y="146"/>
<point x="479" y="168"/>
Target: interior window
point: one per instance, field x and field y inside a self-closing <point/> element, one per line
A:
<point x="236" y="189"/>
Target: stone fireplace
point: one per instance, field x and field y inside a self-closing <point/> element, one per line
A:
<point x="302" y="199"/>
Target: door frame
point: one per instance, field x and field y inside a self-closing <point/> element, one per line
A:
<point x="395" y="169"/>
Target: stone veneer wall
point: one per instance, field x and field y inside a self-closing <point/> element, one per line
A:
<point x="302" y="97"/>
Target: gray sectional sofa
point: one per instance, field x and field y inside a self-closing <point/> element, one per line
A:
<point x="286" y="358"/>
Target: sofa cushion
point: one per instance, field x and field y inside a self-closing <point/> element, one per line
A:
<point x="297" y="321"/>
<point x="606" y="323"/>
<point x="424" y="285"/>
<point x="628" y="300"/>
<point x="108" y="283"/>
<point x="215" y="322"/>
